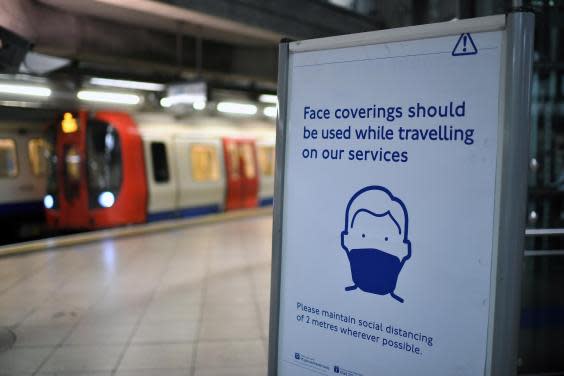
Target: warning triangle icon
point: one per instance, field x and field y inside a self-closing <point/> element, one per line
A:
<point x="464" y="46"/>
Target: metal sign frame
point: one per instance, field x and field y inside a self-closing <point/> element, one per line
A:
<point x="510" y="181"/>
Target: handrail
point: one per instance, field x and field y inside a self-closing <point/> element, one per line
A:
<point x="544" y="231"/>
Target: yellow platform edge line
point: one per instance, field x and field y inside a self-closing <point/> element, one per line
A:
<point x="131" y="230"/>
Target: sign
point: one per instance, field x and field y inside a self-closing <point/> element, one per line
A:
<point x="185" y="93"/>
<point x="387" y="214"/>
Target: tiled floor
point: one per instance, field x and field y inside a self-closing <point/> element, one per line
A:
<point x="183" y="302"/>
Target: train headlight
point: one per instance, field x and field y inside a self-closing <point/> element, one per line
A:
<point x="48" y="201"/>
<point x="106" y="199"/>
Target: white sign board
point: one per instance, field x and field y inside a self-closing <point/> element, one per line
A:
<point x="389" y="186"/>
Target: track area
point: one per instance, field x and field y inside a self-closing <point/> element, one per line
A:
<point x="186" y="301"/>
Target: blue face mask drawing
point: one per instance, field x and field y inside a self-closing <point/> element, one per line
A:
<point x="375" y="239"/>
<point x="374" y="271"/>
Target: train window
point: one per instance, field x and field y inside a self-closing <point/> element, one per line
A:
<point x="205" y="165"/>
<point x="233" y="155"/>
<point x="38" y="153"/>
<point x="265" y="156"/>
<point x="249" y="169"/>
<point x="72" y="164"/>
<point x="8" y="158"/>
<point x="104" y="163"/>
<point x="160" y="163"/>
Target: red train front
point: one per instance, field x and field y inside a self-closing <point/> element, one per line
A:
<point x="97" y="174"/>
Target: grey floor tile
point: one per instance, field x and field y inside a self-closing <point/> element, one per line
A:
<point x="100" y="334"/>
<point x="230" y="329"/>
<point x="231" y="371"/>
<point x="17" y="360"/>
<point x="154" y="372"/>
<point x="113" y="315"/>
<point x="166" y="332"/>
<point x="231" y="354"/>
<point x="75" y="373"/>
<point x="178" y="311"/>
<point x="232" y="298"/>
<point x="54" y="314"/>
<point x="162" y="356"/>
<point x="12" y="314"/>
<point x="83" y="358"/>
<point x="41" y="335"/>
<point x="236" y="312"/>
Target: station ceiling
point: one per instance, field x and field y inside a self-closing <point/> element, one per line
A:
<point x="230" y="41"/>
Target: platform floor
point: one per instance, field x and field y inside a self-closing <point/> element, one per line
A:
<point x="191" y="301"/>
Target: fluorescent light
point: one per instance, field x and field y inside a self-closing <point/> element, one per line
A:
<point x="182" y="99"/>
<point x="34" y="91"/>
<point x="126" y="84"/>
<point x="237" y="108"/>
<point x="108" y="97"/>
<point x="270" y="111"/>
<point x="199" y="105"/>
<point x="268" y="98"/>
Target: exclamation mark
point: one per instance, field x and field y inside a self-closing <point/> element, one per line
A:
<point x="464" y="42"/>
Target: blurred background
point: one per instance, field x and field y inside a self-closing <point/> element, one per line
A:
<point x="99" y="97"/>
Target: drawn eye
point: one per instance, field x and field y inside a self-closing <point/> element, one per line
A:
<point x="363" y="235"/>
<point x="386" y="238"/>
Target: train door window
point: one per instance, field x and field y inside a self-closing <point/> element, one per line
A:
<point x="8" y="158"/>
<point x="233" y="155"/>
<point x="265" y="156"/>
<point x="71" y="171"/>
<point x="72" y="164"/>
<point x="104" y="163"/>
<point x="205" y="165"/>
<point x="38" y="153"/>
<point x="160" y="163"/>
<point x="249" y="169"/>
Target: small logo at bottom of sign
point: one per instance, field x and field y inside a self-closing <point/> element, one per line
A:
<point x="309" y="362"/>
<point x="341" y="371"/>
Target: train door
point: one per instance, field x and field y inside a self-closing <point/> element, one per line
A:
<point x="201" y="181"/>
<point x="37" y="153"/>
<point x="233" y="180"/>
<point x="265" y="157"/>
<point x="249" y="171"/>
<point x="241" y="173"/>
<point x="71" y="151"/>
<point x="161" y="177"/>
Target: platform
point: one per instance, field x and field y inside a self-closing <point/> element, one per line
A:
<point x="184" y="301"/>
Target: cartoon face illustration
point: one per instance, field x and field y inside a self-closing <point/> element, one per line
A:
<point x="375" y="239"/>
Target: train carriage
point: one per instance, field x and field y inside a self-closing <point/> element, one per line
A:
<point x="116" y="169"/>
<point x="22" y="179"/>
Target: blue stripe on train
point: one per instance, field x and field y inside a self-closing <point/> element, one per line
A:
<point x="183" y="213"/>
<point x="266" y="201"/>
<point x="21" y="208"/>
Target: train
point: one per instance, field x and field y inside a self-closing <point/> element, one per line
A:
<point x="111" y="168"/>
<point x="22" y="179"/>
